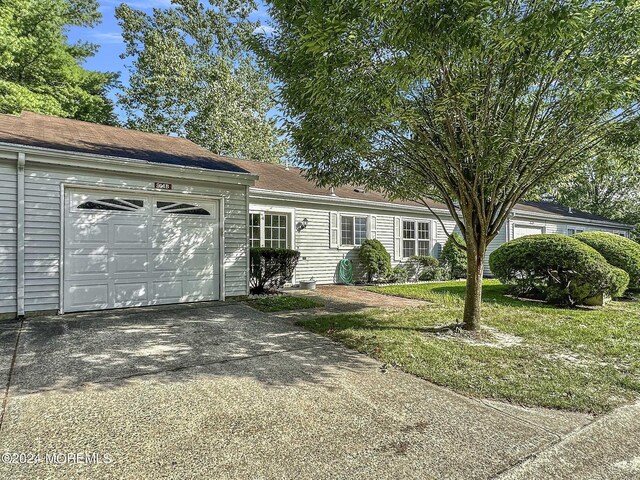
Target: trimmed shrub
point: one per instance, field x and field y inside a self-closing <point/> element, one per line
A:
<point x="271" y="268"/>
<point x="618" y="251"/>
<point x="426" y="268"/>
<point x="399" y="275"/>
<point x="557" y="268"/>
<point x="453" y="258"/>
<point x="375" y="260"/>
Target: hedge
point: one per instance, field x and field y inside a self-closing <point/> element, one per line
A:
<point x="271" y="268"/>
<point x="453" y="258"/>
<point x="375" y="260"/>
<point x="619" y="251"/>
<point x="557" y="268"/>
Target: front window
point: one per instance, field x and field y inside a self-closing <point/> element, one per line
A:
<point x="268" y="230"/>
<point x="408" y="238"/>
<point x="353" y="230"/>
<point x="424" y="242"/>
<point x="275" y="231"/>
<point x="416" y="238"/>
<point x="254" y="229"/>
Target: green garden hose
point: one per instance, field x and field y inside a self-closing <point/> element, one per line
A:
<point x="345" y="271"/>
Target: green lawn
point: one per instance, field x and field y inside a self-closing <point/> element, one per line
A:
<point x="280" y="303"/>
<point x="531" y="354"/>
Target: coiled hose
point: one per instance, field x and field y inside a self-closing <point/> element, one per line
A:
<point x="345" y="271"/>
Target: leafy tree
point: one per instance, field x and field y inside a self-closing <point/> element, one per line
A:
<point x="40" y="71"/>
<point x="470" y="102"/>
<point x="607" y="183"/>
<point x="192" y="76"/>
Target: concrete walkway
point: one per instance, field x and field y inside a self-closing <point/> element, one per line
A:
<point x="223" y="391"/>
<point x="607" y="449"/>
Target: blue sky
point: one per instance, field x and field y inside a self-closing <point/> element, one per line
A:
<point x="107" y="35"/>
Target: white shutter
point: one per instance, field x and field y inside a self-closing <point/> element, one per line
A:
<point x="372" y="227"/>
<point x="333" y="229"/>
<point x="397" y="238"/>
<point x="433" y="235"/>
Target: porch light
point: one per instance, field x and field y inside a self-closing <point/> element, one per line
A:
<point x="303" y="224"/>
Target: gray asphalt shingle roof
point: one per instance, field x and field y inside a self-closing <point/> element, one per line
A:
<point x="65" y="134"/>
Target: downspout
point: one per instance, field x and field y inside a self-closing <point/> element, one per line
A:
<point x="20" y="237"/>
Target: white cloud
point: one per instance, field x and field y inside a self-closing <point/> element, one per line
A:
<point x="107" y="37"/>
<point x="264" y="30"/>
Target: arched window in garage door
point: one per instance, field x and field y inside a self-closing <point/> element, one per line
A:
<point x="181" y="208"/>
<point x="112" y="204"/>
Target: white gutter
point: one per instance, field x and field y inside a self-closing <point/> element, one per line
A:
<point x="334" y="200"/>
<point x="126" y="165"/>
<point x="20" y="235"/>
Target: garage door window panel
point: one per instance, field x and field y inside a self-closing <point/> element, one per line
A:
<point x="112" y="204"/>
<point x="180" y="208"/>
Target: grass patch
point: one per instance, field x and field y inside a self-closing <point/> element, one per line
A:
<point x="584" y="360"/>
<point x="281" y="303"/>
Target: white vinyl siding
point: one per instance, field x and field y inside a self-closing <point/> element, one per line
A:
<point x="42" y="228"/>
<point x="8" y="239"/>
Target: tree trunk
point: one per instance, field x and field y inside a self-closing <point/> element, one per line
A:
<point x="473" y="297"/>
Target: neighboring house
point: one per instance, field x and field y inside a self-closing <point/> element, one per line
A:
<point x="97" y="217"/>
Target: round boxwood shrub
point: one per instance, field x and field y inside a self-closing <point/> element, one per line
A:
<point x="399" y="274"/>
<point x="453" y="258"/>
<point x="557" y="268"/>
<point x="375" y="260"/>
<point x="619" y="252"/>
<point x="425" y="267"/>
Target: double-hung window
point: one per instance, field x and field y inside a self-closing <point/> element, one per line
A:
<point x="353" y="230"/>
<point x="269" y="230"/>
<point x="573" y="231"/>
<point x="416" y="238"/>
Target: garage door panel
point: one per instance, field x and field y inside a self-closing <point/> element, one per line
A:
<point x="183" y="263"/>
<point x="82" y="231"/>
<point x="130" y="262"/>
<point x="82" y="264"/>
<point x="131" y="294"/>
<point x="130" y="234"/>
<point x="198" y="237"/>
<point x="200" y="289"/>
<point x="200" y="264"/>
<point x="89" y="295"/>
<point x="168" y="289"/>
<point x="141" y="256"/>
<point x="163" y="236"/>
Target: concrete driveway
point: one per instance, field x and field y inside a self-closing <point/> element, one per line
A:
<point x="223" y="391"/>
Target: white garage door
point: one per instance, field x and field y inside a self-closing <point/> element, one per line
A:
<point x="129" y="249"/>
<point x="522" y="230"/>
